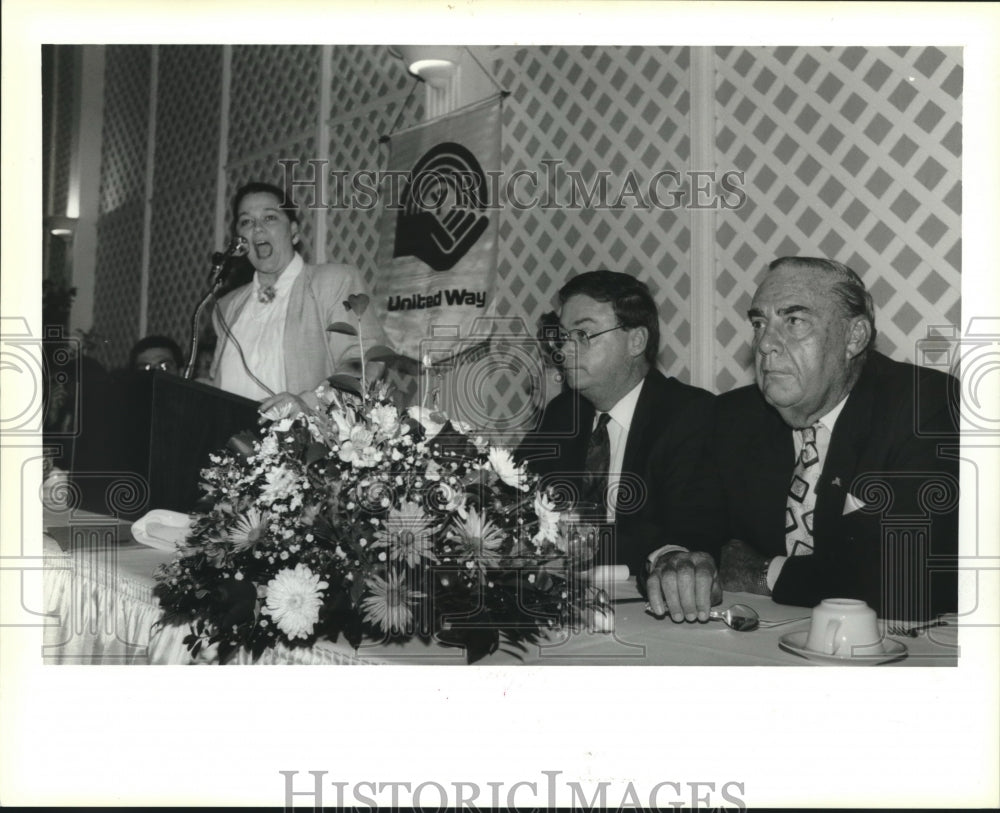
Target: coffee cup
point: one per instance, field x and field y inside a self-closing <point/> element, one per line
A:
<point x="844" y="627"/>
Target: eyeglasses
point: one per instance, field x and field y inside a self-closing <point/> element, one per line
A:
<point x="165" y="366"/>
<point x="581" y="339"/>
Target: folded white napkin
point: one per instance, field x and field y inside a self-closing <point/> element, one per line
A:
<point x="162" y="529"/>
<point x="605" y="574"/>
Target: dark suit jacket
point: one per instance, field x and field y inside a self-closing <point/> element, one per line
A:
<point x="894" y="448"/>
<point x="670" y="416"/>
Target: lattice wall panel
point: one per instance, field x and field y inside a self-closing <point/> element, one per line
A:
<point x="117" y="286"/>
<point x="182" y="239"/>
<point x="188" y="101"/>
<point x="849" y="153"/>
<point x="275" y="96"/>
<point x="182" y="235"/>
<point x="264" y="166"/>
<point x="621" y="110"/>
<point x="352" y="223"/>
<point x="118" y="267"/>
<point x="362" y="75"/>
<point x="591" y="109"/>
<point x="126" y="122"/>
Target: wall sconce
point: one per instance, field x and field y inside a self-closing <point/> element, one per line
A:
<point x="437" y="65"/>
<point x="60" y="225"/>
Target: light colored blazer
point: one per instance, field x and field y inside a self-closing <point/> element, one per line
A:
<point x="315" y="301"/>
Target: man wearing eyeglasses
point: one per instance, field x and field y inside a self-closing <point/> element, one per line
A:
<point x="597" y="436"/>
<point x="156" y="353"/>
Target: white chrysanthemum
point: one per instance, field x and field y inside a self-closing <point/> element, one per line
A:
<point x="388" y="603"/>
<point x="479" y="537"/>
<point x="385" y="417"/>
<point x="248" y="529"/>
<point x="279" y="484"/>
<point x="358" y="449"/>
<point x="548" y="522"/>
<point x="503" y="464"/>
<point x="408" y="534"/>
<point x="294" y="598"/>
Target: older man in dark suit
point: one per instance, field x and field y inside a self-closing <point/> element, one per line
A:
<point x="598" y="434"/>
<point x="836" y="475"/>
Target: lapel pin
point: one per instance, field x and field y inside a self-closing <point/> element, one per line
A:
<point x="836" y="481"/>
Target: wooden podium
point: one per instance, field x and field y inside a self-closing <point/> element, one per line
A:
<point x="167" y="427"/>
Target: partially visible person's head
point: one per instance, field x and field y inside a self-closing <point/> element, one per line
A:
<point x="552" y="378"/>
<point x="813" y="325"/>
<point x="618" y="314"/>
<point x="268" y="219"/>
<point x="203" y="361"/>
<point x="156" y="353"/>
<point x="548" y="337"/>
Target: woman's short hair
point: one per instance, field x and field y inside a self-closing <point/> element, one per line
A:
<point x="285" y="201"/>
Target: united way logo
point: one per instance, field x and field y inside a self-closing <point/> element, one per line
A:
<point x="443" y="207"/>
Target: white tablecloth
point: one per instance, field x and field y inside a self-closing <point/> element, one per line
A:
<point x="98" y="588"/>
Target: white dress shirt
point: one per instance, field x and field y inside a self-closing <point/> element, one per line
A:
<point x="259" y="330"/>
<point x="619" y="423"/>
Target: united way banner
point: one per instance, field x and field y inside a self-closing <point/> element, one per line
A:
<point x="438" y="236"/>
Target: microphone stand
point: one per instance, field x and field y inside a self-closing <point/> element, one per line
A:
<point x="219" y="261"/>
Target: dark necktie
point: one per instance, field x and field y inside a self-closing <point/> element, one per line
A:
<point x="595" y="477"/>
<point x="802" y="494"/>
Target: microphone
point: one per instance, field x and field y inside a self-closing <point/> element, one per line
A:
<point x="238" y="247"/>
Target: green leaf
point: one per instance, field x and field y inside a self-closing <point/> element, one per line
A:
<point x="382" y="353"/>
<point x="314" y="452"/>
<point x="342" y="327"/>
<point x="349" y="383"/>
<point x="357" y="588"/>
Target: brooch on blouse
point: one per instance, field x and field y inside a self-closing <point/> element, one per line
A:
<point x="265" y="294"/>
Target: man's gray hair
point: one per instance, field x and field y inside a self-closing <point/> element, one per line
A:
<point x="854" y="298"/>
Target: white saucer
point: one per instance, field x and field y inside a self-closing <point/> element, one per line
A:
<point x="795" y="642"/>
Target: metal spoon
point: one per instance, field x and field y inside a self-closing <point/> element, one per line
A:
<point x="738" y="617"/>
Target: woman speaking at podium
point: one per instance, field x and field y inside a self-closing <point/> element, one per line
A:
<point x="273" y="345"/>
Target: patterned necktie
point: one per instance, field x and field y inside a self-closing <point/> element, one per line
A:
<point x="802" y="494"/>
<point x="598" y="462"/>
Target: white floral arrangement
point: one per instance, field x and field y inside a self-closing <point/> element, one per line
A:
<point x="364" y="520"/>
